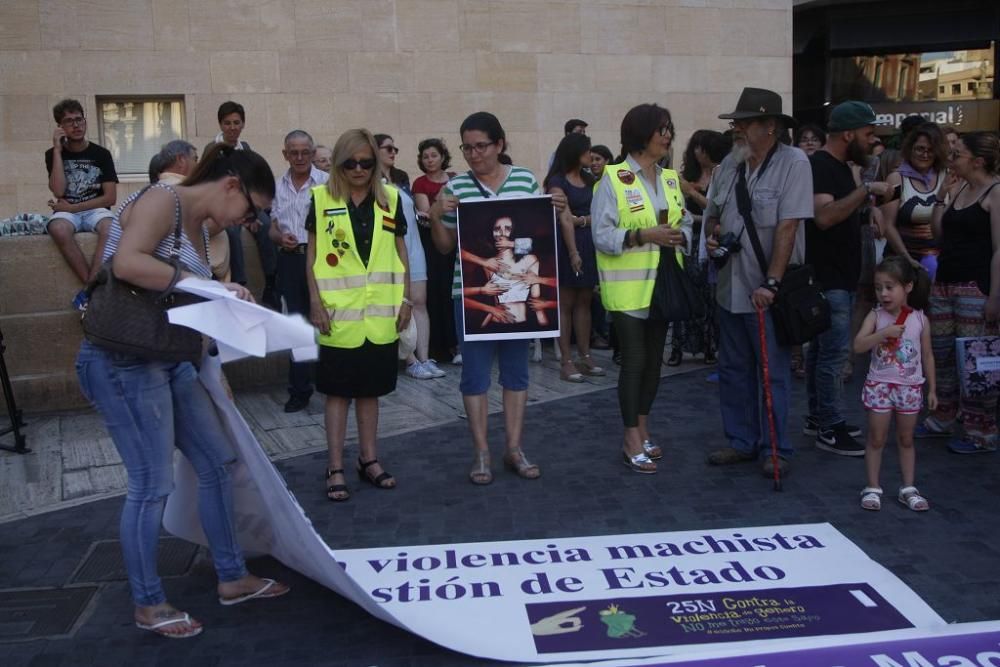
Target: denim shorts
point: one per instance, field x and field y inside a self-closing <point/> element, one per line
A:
<point x="84" y="221"/>
<point x="477" y="361"/>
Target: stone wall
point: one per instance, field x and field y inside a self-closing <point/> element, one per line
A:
<point x="410" y="68"/>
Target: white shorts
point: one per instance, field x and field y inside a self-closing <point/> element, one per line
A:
<point x="84" y="221"/>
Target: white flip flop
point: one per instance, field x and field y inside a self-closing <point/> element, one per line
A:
<point x="261" y="593"/>
<point x="183" y="618"/>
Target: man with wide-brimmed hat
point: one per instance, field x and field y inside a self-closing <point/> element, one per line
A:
<point x="775" y="177"/>
<point x="833" y="248"/>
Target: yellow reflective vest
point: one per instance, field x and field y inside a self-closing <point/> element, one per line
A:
<point x="627" y="279"/>
<point x="362" y="302"/>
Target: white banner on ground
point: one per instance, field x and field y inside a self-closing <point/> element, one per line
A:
<point x="583" y="598"/>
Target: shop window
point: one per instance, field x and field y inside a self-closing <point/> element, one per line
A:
<point x="134" y="128"/>
<point x="972" y="86"/>
<point x="956" y="89"/>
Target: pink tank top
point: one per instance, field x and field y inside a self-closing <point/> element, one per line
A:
<point x="898" y="361"/>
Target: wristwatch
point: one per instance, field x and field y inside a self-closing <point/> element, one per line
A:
<point x="772" y="284"/>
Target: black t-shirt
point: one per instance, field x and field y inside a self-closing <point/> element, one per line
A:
<point x="85" y="172"/>
<point x="834" y="253"/>
<point x="362" y="223"/>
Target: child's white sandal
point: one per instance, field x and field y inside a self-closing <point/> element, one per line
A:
<point x="871" y="498"/>
<point x="909" y="496"/>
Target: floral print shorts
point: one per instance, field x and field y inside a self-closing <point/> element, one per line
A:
<point x="904" y="399"/>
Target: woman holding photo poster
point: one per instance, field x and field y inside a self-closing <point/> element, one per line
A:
<point x="637" y="209"/>
<point x="484" y="146"/>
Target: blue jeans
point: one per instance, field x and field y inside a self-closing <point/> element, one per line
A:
<point x="477" y="361"/>
<point x="148" y="407"/>
<point x="741" y="381"/>
<point x="828" y="353"/>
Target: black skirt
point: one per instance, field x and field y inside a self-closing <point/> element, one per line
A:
<point x="363" y="372"/>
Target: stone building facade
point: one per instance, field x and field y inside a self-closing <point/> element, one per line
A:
<point x="410" y="68"/>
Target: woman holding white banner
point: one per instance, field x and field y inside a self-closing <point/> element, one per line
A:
<point x="484" y="146"/>
<point x="359" y="285"/>
<point x="150" y="406"/>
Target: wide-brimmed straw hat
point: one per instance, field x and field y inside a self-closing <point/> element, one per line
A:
<point x="759" y="103"/>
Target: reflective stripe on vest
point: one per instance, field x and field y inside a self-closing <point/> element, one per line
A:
<point x="627" y="279"/>
<point x="362" y="302"/>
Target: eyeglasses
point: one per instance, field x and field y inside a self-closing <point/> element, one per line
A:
<point x="806" y="139"/>
<point x="922" y="150"/>
<point x="480" y="147"/>
<point x="255" y="212"/>
<point x="298" y="154"/>
<point x="351" y="164"/>
<point x="392" y="149"/>
<point x="664" y="129"/>
<point x="74" y="121"/>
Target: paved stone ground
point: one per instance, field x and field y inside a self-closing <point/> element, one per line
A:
<point x="949" y="555"/>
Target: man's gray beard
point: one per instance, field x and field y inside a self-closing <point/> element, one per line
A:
<point x="740" y="152"/>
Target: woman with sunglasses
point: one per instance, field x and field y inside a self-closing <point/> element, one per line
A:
<point x="638" y="209"/>
<point x="920" y="180"/>
<point x="484" y="146"/>
<point x="387" y="153"/>
<point x="150" y="407"/>
<point x="359" y="300"/>
<point x="965" y="299"/>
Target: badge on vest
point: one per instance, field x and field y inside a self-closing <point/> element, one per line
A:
<point x="633" y="197"/>
<point x="626" y="176"/>
<point x="671" y="183"/>
<point x="388" y="224"/>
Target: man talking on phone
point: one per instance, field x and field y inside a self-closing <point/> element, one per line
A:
<point x="82" y="179"/>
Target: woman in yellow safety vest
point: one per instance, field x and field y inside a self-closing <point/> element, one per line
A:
<point x="637" y="209"/>
<point x="358" y="286"/>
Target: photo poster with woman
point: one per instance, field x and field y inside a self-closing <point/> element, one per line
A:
<point x="509" y="268"/>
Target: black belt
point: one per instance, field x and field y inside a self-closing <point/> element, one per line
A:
<point x="297" y="250"/>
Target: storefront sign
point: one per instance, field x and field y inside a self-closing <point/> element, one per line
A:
<point x="963" y="116"/>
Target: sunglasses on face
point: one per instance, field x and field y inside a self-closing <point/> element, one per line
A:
<point x="391" y="149"/>
<point x="351" y="164"/>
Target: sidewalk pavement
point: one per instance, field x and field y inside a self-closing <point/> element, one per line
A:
<point x="949" y="555"/>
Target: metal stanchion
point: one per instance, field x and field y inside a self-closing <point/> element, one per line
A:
<point x="16" y="423"/>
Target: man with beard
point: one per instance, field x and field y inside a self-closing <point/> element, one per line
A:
<point x="777" y="182"/>
<point x="833" y="247"/>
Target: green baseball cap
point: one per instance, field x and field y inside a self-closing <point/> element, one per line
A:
<point x="851" y="115"/>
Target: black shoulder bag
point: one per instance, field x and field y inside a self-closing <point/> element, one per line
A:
<point x="132" y="320"/>
<point x="800" y="311"/>
<point x="675" y="296"/>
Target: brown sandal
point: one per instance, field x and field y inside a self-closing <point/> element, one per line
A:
<point x="568" y="372"/>
<point x="515" y="461"/>
<point x="481" y="473"/>
<point x="332" y="490"/>
<point x="587" y="366"/>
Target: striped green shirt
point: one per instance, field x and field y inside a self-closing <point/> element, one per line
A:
<point x="520" y="183"/>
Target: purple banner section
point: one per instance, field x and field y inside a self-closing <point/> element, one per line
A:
<point x="678" y="620"/>
<point x="973" y="650"/>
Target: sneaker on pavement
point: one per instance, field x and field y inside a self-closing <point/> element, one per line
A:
<point x="965" y="446"/>
<point x="928" y="429"/>
<point x="432" y="366"/>
<point x="837" y="440"/>
<point x="419" y="371"/>
<point x="811" y="428"/>
<point x="729" y="455"/>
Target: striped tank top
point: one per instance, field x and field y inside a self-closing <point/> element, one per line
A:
<point x="189" y="257"/>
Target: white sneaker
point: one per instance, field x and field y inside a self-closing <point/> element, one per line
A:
<point x="432" y="366"/>
<point x="457" y="359"/>
<point x="418" y="371"/>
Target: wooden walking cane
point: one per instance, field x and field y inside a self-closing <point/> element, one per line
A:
<point x="769" y="398"/>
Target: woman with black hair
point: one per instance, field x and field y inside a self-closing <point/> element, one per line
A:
<point x="484" y="146"/>
<point x="577" y="261"/>
<point x="151" y="407"/>
<point x="387" y="153"/>
<point x="600" y="157"/>
<point x="705" y="150"/>
<point x="638" y="210"/>
<point x="810" y="138"/>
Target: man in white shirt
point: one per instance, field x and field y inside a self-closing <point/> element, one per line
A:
<point x="288" y="215"/>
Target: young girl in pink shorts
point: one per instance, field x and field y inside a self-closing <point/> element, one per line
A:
<point x="899" y="337"/>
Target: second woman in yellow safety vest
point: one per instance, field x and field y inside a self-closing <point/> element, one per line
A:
<point x="627" y="214"/>
<point x="358" y="287"/>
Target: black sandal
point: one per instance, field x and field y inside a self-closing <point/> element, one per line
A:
<point x="378" y="482"/>
<point x="336" y="488"/>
